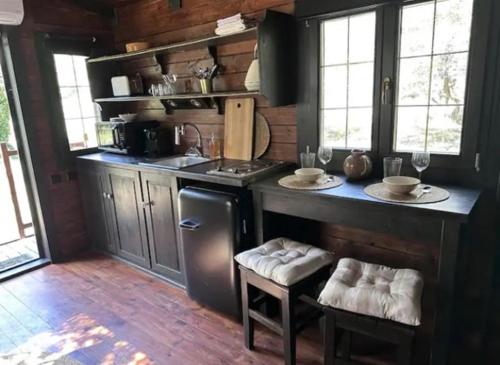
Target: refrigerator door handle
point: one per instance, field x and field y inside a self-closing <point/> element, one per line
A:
<point x="189" y="225"/>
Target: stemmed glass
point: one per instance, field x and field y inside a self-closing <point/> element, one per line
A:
<point x="325" y="155"/>
<point x="420" y="161"/>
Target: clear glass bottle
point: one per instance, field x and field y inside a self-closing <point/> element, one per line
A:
<point x="214" y="147"/>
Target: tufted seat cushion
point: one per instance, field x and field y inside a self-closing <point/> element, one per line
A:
<point x="375" y="290"/>
<point x="284" y="261"/>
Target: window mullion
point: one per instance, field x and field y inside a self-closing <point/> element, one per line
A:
<point x="429" y="90"/>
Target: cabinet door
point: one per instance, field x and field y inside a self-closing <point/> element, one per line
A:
<point x="160" y="195"/>
<point x="128" y="214"/>
<point x="93" y="191"/>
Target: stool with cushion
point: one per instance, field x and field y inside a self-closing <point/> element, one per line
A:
<point x="373" y="300"/>
<point x="284" y="269"/>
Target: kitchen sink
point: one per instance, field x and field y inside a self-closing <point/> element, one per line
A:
<point x="177" y="162"/>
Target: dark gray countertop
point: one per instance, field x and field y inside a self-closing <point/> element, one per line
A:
<point x="197" y="172"/>
<point x="460" y="203"/>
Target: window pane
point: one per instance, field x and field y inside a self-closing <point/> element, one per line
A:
<point x="82" y="78"/>
<point x="359" y="133"/>
<point x="70" y="103"/>
<point x="64" y="69"/>
<point x="335" y="41"/>
<point x="347" y="81"/>
<point x="414" y="81"/>
<point x="416" y="29"/>
<point x="411" y="128"/>
<point x="79" y="111"/>
<point x="437" y="80"/>
<point x="448" y="78"/>
<point x="445" y="129"/>
<point x="453" y="22"/>
<point x="334" y="127"/>
<point x="362" y="38"/>
<point x="360" y="75"/>
<point x="335" y="87"/>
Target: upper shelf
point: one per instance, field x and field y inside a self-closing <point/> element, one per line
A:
<point x="182" y="46"/>
<point x="177" y="96"/>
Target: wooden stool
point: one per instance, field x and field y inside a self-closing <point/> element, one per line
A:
<point x="372" y="300"/>
<point x="285" y="270"/>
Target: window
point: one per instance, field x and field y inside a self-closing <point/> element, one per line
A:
<point x="433" y="60"/>
<point x="418" y="52"/>
<point x="80" y="113"/>
<point x="347" y="72"/>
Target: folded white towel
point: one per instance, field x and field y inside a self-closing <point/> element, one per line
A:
<point x="230" y="30"/>
<point x="230" y="19"/>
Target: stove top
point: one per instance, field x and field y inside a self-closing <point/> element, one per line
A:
<point x="244" y="169"/>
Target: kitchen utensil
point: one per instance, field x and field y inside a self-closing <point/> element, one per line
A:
<point x="400" y="184"/>
<point x="238" y="128"/>
<point x="424" y="190"/>
<point x="213" y="71"/>
<point x="262" y="136"/>
<point x="307" y="159"/>
<point x="392" y="166"/>
<point x="357" y="165"/>
<point x="420" y="161"/>
<point x="128" y="117"/>
<point x="121" y="86"/>
<point x="309" y="175"/>
<point x="252" y="79"/>
<point x="137" y="46"/>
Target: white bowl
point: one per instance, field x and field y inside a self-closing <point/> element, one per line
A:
<point x="130" y="117"/>
<point x="401" y="184"/>
<point x="309" y="175"/>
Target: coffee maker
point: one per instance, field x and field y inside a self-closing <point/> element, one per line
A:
<point x="157" y="142"/>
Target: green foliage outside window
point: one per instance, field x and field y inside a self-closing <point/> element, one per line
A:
<point x="4" y="116"/>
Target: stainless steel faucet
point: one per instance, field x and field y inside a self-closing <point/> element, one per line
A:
<point x="195" y="149"/>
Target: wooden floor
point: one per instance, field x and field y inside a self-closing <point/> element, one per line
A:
<point x="101" y="311"/>
<point x="18" y="252"/>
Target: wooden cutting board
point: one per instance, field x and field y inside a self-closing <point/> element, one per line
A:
<point x="262" y="136"/>
<point x="238" y="129"/>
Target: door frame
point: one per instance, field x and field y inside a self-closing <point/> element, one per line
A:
<point x="17" y="86"/>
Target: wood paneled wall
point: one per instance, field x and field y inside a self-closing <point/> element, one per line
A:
<point x="154" y="22"/>
<point x="63" y="209"/>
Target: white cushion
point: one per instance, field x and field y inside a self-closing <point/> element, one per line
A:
<point x="375" y="290"/>
<point x="284" y="261"/>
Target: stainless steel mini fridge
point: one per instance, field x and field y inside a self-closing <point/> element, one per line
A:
<point x="214" y="228"/>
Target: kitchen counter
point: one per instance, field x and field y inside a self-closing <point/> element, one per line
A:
<point x="196" y="172"/>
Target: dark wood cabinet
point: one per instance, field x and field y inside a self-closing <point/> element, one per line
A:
<point x="94" y="188"/>
<point x="133" y="214"/>
<point x="160" y="195"/>
<point x="128" y="214"/>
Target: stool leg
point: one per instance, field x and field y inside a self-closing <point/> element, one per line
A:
<point x="288" y="323"/>
<point x="405" y="351"/>
<point x="248" y="323"/>
<point x="329" y="340"/>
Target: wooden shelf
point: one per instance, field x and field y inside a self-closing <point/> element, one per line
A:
<point x="223" y="94"/>
<point x="182" y="46"/>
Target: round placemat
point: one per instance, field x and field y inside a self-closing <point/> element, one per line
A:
<point x="435" y="195"/>
<point x="326" y="182"/>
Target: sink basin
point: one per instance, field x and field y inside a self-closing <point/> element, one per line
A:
<point x="177" y="162"/>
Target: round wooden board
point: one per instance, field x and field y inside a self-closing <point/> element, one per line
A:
<point x="262" y="135"/>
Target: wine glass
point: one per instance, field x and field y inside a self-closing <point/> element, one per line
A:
<point x="325" y="155"/>
<point x="420" y="161"/>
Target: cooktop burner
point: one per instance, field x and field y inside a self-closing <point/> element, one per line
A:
<point x="244" y="168"/>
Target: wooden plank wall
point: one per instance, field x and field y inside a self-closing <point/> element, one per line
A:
<point x="63" y="208"/>
<point x="154" y="22"/>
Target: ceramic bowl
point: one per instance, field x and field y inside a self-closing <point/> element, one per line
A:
<point x="401" y="184"/>
<point x="137" y="46"/>
<point x="130" y="117"/>
<point x="309" y="175"/>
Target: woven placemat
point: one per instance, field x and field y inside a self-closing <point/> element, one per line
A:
<point x="379" y="191"/>
<point x="326" y="182"/>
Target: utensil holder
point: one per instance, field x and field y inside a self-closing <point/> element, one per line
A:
<point x="206" y="86"/>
